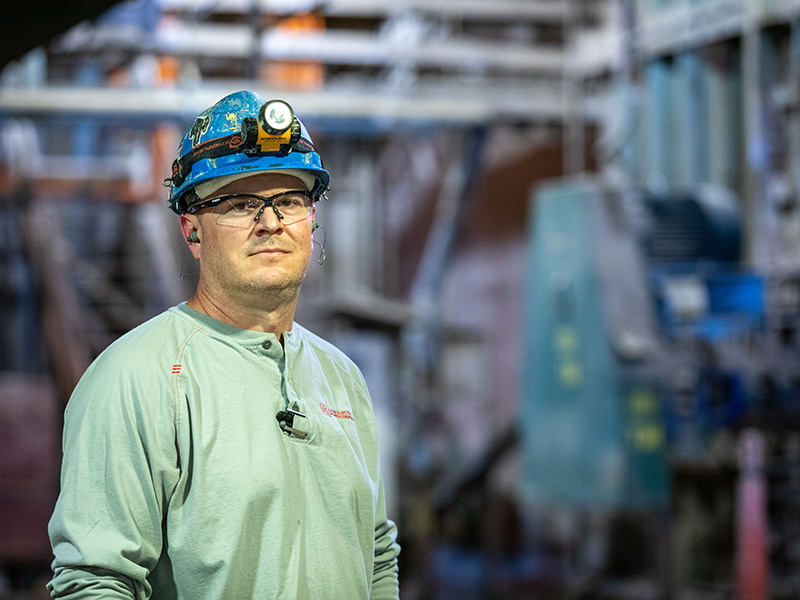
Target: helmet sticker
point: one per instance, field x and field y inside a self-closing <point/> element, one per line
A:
<point x="199" y="127"/>
<point x="305" y="145"/>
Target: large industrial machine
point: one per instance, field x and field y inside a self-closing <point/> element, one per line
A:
<point x="647" y="352"/>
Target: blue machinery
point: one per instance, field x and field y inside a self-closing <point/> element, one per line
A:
<point x="627" y="300"/>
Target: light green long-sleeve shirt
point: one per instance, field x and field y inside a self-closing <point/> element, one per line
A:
<point x="177" y="481"/>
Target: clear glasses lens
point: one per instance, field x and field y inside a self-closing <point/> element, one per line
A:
<point x="242" y="210"/>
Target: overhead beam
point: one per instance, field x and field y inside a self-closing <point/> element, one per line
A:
<point x="329" y="47"/>
<point x="446" y="104"/>
<point x="547" y="11"/>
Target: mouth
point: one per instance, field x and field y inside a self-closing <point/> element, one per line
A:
<point x="269" y="251"/>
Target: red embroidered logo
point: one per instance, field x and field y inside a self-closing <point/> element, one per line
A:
<point x="339" y="414"/>
<point x="176" y="369"/>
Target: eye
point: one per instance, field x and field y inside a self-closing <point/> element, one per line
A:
<point x="242" y="205"/>
<point x="290" y="202"/>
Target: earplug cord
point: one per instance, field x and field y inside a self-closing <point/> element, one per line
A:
<point x="322" y="245"/>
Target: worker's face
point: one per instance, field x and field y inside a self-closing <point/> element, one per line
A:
<point x="269" y="257"/>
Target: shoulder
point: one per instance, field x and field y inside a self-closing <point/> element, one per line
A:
<point x="133" y="375"/>
<point x="154" y="340"/>
<point x="328" y="354"/>
<point x="312" y="340"/>
<point x="145" y="354"/>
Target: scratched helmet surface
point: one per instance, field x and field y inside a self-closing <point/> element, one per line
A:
<point x="226" y="139"/>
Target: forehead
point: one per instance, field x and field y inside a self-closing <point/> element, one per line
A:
<point x="263" y="184"/>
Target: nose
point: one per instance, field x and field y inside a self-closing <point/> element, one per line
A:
<point x="268" y="219"/>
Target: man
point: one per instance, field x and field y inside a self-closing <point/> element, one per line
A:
<point x="220" y="450"/>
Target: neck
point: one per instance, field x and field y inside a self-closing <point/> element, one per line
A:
<point x="267" y="312"/>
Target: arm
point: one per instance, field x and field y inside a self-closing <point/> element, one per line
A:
<point x="106" y="528"/>
<point x="385" y="578"/>
<point x="385" y="583"/>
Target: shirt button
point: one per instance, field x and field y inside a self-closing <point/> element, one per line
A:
<point x="266" y="345"/>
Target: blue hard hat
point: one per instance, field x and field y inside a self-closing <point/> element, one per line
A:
<point x="243" y="134"/>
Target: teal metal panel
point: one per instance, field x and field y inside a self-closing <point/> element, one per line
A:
<point x="690" y="114"/>
<point x="647" y="477"/>
<point x="725" y="117"/>
<point x="794" y="118"/>
<point x="659" y="124"/>
<point x="680" y="159"/>
<point x="572" y="422"/>
<point x="593" y="431"/>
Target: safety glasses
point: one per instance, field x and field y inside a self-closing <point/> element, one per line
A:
<point x="243" y="210"/>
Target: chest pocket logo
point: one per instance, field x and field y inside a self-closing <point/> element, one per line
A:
<point x="337" y="414"/>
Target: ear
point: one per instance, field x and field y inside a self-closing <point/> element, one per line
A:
<point x="191" y="224"/>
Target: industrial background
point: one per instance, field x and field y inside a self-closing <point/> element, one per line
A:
<point x="563" y="244"/>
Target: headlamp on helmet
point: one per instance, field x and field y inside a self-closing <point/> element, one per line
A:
<point x="275" y="117"/>
<point x="274" y="130"/>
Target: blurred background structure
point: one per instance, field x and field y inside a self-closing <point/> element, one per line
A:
<point x="563" y="244"/>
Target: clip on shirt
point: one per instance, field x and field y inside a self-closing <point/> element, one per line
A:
<point x="286" y="421"/>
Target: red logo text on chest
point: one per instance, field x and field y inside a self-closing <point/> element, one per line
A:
<point x="339" y="414"/>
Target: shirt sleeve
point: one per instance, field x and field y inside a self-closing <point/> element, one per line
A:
<point x="119" y="463"/>
<point x="385" y="574"/>
<point x="385" y="584"/>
